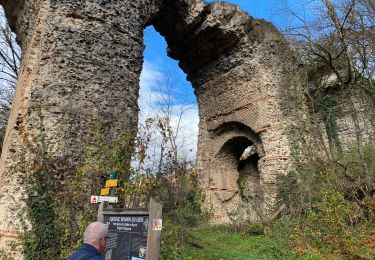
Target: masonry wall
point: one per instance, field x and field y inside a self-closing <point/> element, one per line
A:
<point x="361" y="106"/>
<point x="355" y="118"/>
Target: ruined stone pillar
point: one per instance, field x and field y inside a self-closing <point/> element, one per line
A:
<point x="81" y="63"/>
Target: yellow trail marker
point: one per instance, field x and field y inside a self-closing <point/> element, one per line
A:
<point x="104" y="191"/>
<point x="111" y="183"/>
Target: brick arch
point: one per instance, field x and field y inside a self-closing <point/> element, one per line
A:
<point x="234" y="147"/>
<point x="233" y="129"/>
<point x="233" y="180"/>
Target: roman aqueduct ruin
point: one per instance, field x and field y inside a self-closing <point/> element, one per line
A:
<point x="82" y="62"/>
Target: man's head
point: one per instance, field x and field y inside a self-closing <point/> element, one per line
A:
<point x="96" y="235"/>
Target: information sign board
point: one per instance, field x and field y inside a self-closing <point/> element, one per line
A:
<point x="127" y="237"/>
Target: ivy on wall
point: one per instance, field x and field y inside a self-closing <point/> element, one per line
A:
<point x="327" y="106"/>
<point x="40" y="239"/>
<point x="40" y="242"/>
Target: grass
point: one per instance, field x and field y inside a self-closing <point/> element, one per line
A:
<point x="224" y="243"/>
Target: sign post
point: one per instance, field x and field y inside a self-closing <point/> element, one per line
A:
<point x="153" y="239"/>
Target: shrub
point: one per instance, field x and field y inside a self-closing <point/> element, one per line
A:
<point x="330" y="204"/>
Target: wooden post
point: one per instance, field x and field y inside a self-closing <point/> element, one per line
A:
<point x="103" y="205"/>
<point x="153" y="238"/>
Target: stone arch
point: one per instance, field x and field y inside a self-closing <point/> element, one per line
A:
<point x="242" y="71"/>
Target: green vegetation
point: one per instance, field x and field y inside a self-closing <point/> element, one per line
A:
<point x="224" y="243"/>
<point x="331" y="206"/>
<point x="330" y="214"/>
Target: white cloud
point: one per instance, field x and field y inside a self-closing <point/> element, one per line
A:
<point x="149" y="77"/>
<point x="155" y="87"/>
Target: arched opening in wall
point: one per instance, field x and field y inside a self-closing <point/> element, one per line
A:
<point x="168" y="101"/>
<point x="240" y="156"/>
<point x="10" y="59"/>
<point x="235" y="168"/>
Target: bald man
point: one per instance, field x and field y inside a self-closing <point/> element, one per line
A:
<point x="94" y="240"/>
